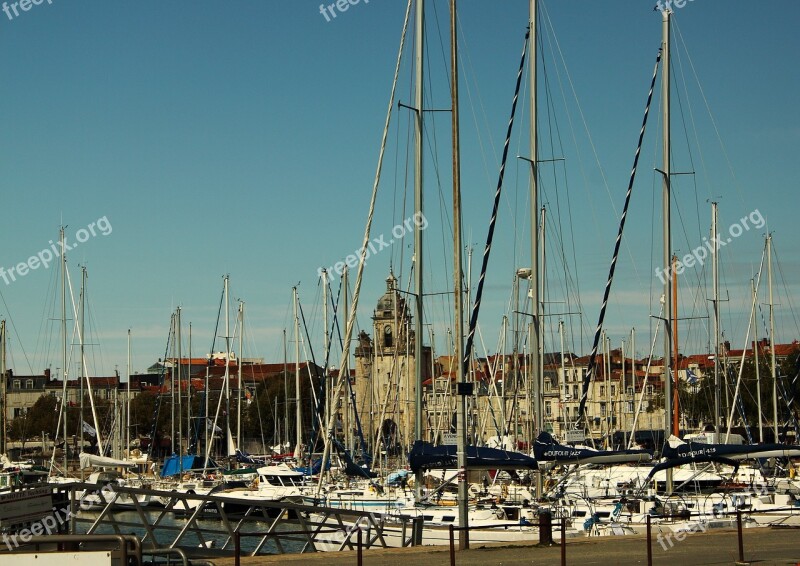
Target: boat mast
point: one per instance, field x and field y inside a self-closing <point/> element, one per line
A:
<point x="534" y="184"/>
<point x="227" y="367"/>
<point x="3" y="402"/>
<point x="755" y="362"/>
<point x="347" y="405"/>
<point x="464" y="388"/>
<point x="560" y="384"/>
<point x="326" y="343"/>
<point x="715" y="277"/>
<point x="65" y="370"/>
<point x="772" y="342"/>
<point x="239" y="378"/>
<point x="128" y="401"/>
<point x="172" y="388"/>
<point x="667" y="235"/>
<point x="178" y="392"/>
<point x="83" y="366"/>
<point x="621" y="392"/>
<point x="188" y="393"/>
<point x="298" y="409"/>
<point x="419" y="53"/>
<point x="676" y="422"/>
<point x="285" y="396"/>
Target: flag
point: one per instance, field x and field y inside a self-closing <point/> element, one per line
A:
<point x="87" y="428"/>
<point x="691" y="377"/>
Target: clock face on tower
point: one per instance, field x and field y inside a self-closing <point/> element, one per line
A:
<point x="387" y="336"/>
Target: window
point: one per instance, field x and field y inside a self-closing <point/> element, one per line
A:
<point x="629" y="406"/>
<point x="602" y="391"/>
<point x="575" y="392"/>
<point x="16" y="384"/>
<point x="630" y="391"/>
<point x="28" y="384"/>
<point x="602" y="409"/>
<point x="613" y="390"/>
<point x="548" y="386"/>
<point x="649" y="390"/>
<point x="548" y="409"/>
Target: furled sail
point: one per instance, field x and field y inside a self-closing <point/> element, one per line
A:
<point x="546" y="449"/>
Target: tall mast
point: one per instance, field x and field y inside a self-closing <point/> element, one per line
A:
<point x="676" y="423"/>
<point x="239" y="378"/>
<point x="172" y="391"/>
<point x="347" y="405"/>
<point x="755" y="362"/>
<point x="188" y="391"/>
<point x="464" y="389"/>
<point x="326" y="343"/>
<point x="772" y="341"/>
<point x="128" y="401"/>
<point x="563" y="381"/>
<point x="3" y="401"/>
<point x="667" y="235"/>
<point x="285" y="393"/>
<point x="179" y="390"/>
<point x="298" y="409"/>
<point x="83" y="359"/>
<point x="621" y="391"/>
<point x="64" y="369"/>
<point x="227" y="368"/>
<point x="419" y="53"/>
<point x="715" y="277"/>
<point x="534" y="182"/>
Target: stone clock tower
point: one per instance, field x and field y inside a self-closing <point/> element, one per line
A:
<point x="385" y="366"/>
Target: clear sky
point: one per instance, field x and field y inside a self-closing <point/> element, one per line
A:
<point x="241" y="137"/>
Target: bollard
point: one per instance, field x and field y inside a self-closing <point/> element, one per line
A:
<point x="237" y="548"/>
<point x="417" y="524"/>
<point x="563" y="542"/>
<point x="649" y="543"/>
<point x="739" y="530"/>
<point x="360" y="551"/>
<point x="546" y="528"/>
<point x="452" y="546"/>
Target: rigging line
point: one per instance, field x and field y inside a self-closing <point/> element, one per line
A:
<point x="580" y="110"/>
<point x="157" y="405"/>
<point x="16" y="333"/>
<point x="710" y="115"/>
<point x="344" y="371"/>
<point x="47" y="321"/>
<point x="463" y="51"/>
<point x="744" y="350"/>
<point x="788" y="295"/>
<point x="593" y="356"/>
<point x="485" y="261"/>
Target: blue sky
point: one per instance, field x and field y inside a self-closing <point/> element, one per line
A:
<point x="242" y="137"/>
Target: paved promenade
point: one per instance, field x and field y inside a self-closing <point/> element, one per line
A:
<point x="762" y="546"/>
